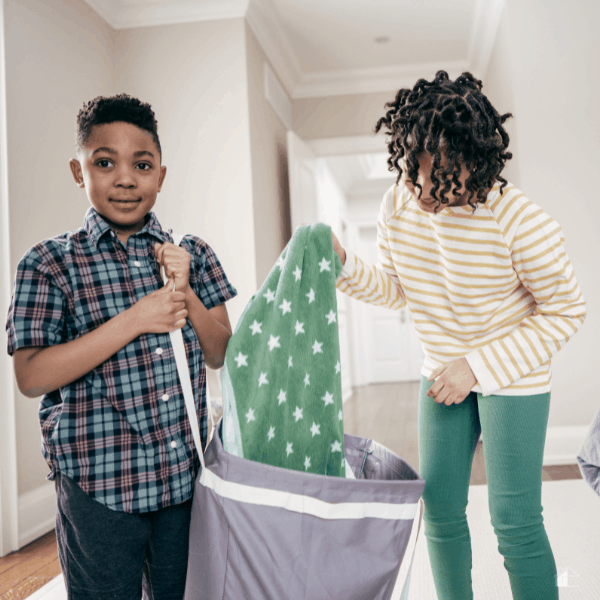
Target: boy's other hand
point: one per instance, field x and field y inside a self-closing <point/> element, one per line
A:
<point x="338" y="248"/>
<point x="176" y="261"/>
<point x="161" y="311"/>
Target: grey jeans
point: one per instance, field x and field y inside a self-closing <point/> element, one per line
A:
<point x="106" y="554"/>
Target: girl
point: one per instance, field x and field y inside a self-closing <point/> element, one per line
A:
<point x="493" y="297"/>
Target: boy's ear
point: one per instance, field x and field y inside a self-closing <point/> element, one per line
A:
<point x="77" y="172"/>
<point x="163" y="172"/>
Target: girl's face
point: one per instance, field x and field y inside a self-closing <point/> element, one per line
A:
<point x="427" y="202"/>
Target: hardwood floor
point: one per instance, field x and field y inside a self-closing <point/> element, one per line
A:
<point x="387" y="413"/>
<point x="25" y="571"/>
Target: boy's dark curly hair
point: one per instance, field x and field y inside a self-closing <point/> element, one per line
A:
<point x="122" y="107"/>
<point x="452" y="119"/>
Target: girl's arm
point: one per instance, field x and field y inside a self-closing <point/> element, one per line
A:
<point x="540" y="260"/>
<point x="374" y="284"/>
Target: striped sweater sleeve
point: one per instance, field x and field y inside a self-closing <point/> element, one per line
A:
<point x="540" y="260"/>
<point x="375" y="284"/>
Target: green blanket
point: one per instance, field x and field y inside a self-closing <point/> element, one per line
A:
<point x="282" y="389"/>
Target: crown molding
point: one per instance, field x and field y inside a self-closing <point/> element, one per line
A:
<point x="366" y="81"/>
<point x="261" y="17"/>
<point x="488" y="14"/>
<point x="127" y="14"/>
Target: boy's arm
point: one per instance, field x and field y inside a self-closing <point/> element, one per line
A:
<point x="212" y="328"/>
<point x="40" y="370"/>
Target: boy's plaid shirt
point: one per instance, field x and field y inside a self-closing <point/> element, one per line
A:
<point x="121" y="431"/>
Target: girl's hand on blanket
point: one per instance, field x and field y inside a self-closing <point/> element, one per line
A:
<point x="338" y="248"/>
<point x="454" y="382"/>
<point x="160" y="311"/>
<point x="176" y="261"/>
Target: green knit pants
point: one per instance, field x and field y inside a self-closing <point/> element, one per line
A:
<point x="514" y="432"/>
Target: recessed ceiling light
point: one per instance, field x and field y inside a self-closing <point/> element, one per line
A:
<point x="384" y="39"/>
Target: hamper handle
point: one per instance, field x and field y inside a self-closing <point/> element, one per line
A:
<point x="184" y="377"/>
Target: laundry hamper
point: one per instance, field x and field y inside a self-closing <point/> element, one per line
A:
<point x="260" y="532"/>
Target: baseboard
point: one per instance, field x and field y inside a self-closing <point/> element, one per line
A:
<point x="563" y="444"/>
<point x="37" y="513"/>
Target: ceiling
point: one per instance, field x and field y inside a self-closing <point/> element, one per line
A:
<point x="333" y="47"/>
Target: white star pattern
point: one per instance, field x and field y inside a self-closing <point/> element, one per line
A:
<point x="274" y="342"/>
<point x="281" y="396"/>
<point x="255" y="327"/>
<point x="317" y="347"/>
<point x="340" y="416"/>
<point x="306" y="380"/>
<point x="270" y="296"/>
<point x="298" y="414"/>
<point x="290" y="362"/>
<point x="286" y="307"/>
<point x="289" y="448"/>
<point x="280" y="262"/>
<point x="306" y="463"/>
<point x="338" y="367"/>
<point x="324" y="265"/>
<point x="330" y="317"/>
<point x="315" y="429"/>
<point x="299" y="327"/>
<point x="328" y="398"/>
<point x="262" y="380"/>
<point x="250" y="415"/>
<point x="297" y="273"/>
<point x="336" y="447"/>
<point x="240" y="359"/>
<point x="271" y="433"/>
<point x="311" y="296"/>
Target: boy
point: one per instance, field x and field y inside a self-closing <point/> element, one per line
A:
<point x="88" y="329"/>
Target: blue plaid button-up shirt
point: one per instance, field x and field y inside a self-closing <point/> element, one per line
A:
<point x="121" y="431"/>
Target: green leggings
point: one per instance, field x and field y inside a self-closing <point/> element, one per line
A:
<point x="514" y="432"/>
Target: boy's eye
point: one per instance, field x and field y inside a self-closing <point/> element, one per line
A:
<point x="144" y="166"/>
<point x="104" y="163"/>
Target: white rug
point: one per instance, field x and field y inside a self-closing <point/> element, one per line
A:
<point x="571" y="512"/>
<point x="572" y="519"/>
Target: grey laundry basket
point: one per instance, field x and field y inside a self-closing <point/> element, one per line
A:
<point x="260" y="532"/>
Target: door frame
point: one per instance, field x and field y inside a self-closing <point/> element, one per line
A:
<point x="9" y="500"/>
<point x="340" y="146"/>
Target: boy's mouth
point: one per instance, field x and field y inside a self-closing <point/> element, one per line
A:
<point x="125" y="201"/>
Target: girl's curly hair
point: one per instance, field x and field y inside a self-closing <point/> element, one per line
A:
<point x="121" y="107"/>
<point x="451" y="119"/>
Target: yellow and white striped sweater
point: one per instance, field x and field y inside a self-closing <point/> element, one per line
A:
<point x="496" y="286"/>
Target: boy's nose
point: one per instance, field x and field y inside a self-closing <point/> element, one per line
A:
<point x="124" y="179"/>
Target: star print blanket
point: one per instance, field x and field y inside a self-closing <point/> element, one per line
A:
<point x="282" y="392"/>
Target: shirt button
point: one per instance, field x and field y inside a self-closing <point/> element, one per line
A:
<point x="173" y="444"/>
<point x="158" y="351"/>
<point x="165" y="397"/>
<point x="137" y="263"/>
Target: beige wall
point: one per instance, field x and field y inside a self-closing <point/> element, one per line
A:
<point x="272" y="225"/>
<point x="549" y="53"/>
<point x="58" y="55"/>
<point x="194" y="76"/>
<point x="338" y="116"/>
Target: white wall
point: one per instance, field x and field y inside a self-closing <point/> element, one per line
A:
<point x="548" y="52"/>
<point x="270" y="190"/>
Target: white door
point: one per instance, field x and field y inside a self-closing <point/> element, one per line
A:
<point x="391" y="348"/>
<point x="304" y="210"/>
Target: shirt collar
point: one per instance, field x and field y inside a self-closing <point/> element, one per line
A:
<point x="96" y="227"/>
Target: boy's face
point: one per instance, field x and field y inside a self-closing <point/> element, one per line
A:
<point x="121" y="172"/>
